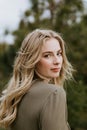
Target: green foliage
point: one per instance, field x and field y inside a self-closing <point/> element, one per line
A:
<point x="77" y="105"/>
<point x="7" y="55"/>
<point x="67" y="18"/>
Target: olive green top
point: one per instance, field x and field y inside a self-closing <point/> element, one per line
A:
<point x="42" y="108"/>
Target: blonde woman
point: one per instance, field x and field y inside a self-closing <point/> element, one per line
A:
<point x="35" y="98"/>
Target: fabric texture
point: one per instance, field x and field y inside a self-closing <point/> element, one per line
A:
<point x="43" y="107"/>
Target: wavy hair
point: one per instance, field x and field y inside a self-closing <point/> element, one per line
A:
<point x="27" y="57"/>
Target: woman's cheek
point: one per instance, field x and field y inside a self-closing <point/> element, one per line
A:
<point x="46" y="63"/>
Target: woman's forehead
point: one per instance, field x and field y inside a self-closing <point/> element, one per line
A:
<point x="51" y="44"/>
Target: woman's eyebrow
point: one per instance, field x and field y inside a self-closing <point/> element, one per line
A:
<point x="51" y="51"/>
<point x="47" y="52"/>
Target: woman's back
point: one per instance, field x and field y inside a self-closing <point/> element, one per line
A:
<point x="40" y="108"/>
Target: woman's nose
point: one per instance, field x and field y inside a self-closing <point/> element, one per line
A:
<point x="56" y="60"/>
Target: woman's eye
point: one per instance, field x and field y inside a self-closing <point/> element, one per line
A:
<point x="47" y="55"/>
<point x="59" y="53"/>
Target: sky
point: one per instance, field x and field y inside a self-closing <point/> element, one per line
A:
<point x="10" y="14"/>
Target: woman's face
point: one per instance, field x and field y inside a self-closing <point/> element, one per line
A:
<point x="51" y="60"/>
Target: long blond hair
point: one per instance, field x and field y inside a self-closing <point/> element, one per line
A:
<point x="23" y="73"/>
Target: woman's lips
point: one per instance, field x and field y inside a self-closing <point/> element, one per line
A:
<point x="55" y="69"/>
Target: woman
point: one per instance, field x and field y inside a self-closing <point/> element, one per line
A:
<point x="35" y="98"/>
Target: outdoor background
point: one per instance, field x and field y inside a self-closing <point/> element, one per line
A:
<point x="68" y="17"/>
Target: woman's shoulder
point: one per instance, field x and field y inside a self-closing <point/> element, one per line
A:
<point x="42" y="92"/>
<point x="39" y="93"/>
<point x="44" y="88"/>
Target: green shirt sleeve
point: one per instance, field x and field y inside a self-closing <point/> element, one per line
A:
<point x="53" y="114"/>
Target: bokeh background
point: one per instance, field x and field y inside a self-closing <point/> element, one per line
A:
<point x="68" y="17"/>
